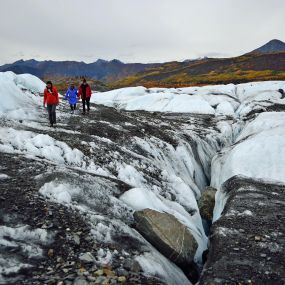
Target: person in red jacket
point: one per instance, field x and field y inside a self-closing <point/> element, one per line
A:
<point x="84" y="91"/>
<point x="51" y="101"/>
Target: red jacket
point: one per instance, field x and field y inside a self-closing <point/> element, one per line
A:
<point x="88" y="91"/>
<point x="51" y="98"/>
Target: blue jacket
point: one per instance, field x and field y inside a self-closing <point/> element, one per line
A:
<point x="71" y="95"/>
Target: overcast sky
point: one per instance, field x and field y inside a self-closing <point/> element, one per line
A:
<point x="136" y="30"/>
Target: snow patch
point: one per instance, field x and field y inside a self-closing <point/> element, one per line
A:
<point x="61" y="193"/>
<point x="39" y="145"/>
<point x="4" y="176"/>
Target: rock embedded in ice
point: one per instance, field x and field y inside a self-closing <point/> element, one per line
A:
<point x="207" y="203"/>
<point x="167" y="234"/>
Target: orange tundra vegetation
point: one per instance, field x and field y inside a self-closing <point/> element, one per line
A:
<point x="246" y="68"/>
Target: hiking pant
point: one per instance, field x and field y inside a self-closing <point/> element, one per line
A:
<point x="73" y="107"/>
<point x="51" y="114"/>
<point x="87" y="102"/>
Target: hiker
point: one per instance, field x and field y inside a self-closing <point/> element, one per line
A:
<point x="51" y="101"/>
<point x="84" y="92"/>
<point x="71" y="96"/>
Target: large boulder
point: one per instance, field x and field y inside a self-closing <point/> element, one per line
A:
<point x="168" y="235"/>
<point x="207" y="203"/>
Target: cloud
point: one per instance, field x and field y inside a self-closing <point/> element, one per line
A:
<point x="136" y="30"/>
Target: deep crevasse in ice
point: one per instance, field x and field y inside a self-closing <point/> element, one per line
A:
<point x="185" y="172"/>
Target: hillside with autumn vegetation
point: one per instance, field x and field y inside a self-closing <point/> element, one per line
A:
<point x="262" y="64"/>
<point x="249" y="67"/>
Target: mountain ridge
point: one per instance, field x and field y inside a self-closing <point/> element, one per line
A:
<point x="101" y="69"/>
<point x="264" y="63"/>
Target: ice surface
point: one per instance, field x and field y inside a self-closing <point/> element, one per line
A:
<point x="155" y="265"/>
<point x="227" y="98"/>
<point x="225" y="108"/>
<point x="61" y="193"/>
<point x="18" y="95"/>
<point x="259" y="153"/>
<point x="261" y="156"/>
<point x="136" y="98"/>
<point x="130" y="175"/>
<point x="264" y="121"/>
<point x="255" y="90"/>
<point x="27" y="242"/>
<point x="38" y="145"/>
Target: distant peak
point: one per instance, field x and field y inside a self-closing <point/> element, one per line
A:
<point x="19" y="61"/>
<point x="275" y="41"/>
<point x="274" y="45"/>
<point x="101" y="61"/>
<point x="116" y="61"/>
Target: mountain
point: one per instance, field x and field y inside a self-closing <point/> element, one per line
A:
<point x="101" y="69"/>
<point x="271" y="46"/>
<point x="264" y="63"/>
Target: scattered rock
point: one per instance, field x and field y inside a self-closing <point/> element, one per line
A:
<point x="108" y="272"/>
<point x="102" y="280"/>
<point x="76" y="239"/>
<point x="80" y="281"/>
<point x="86" y="257"/>
<point x="257" y="238"/>
<point x="99" y="272"/>
<point x="122" y="279"/>
<point x="131" y="265"/>
<point x="50" y="252"/>
<point x="122" y="272"/>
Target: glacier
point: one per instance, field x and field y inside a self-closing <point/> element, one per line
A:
<point x="139" y="148"/>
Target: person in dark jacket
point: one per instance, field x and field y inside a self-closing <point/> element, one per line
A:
<point x="71" y="96"/>
<point x="51" y="100"/>
<point x="85" y="93"/>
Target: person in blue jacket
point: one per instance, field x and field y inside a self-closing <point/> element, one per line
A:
<point x="71" y="96"/>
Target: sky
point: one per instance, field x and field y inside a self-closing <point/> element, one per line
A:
<point x="136" y="30"/>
